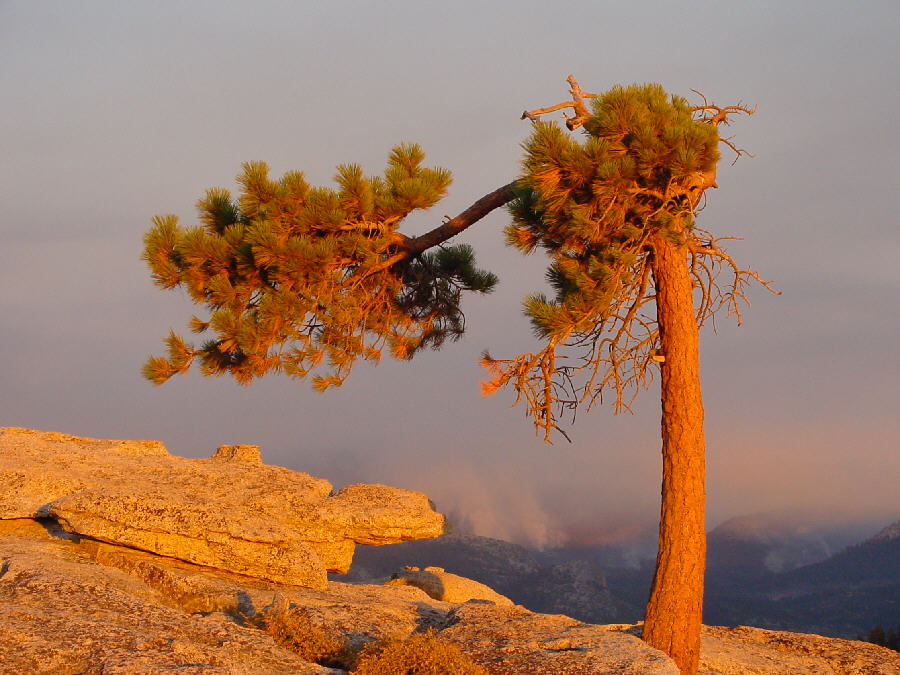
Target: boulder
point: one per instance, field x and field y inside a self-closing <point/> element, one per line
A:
<point x="445" y="586"/>
<point x="378" y="515"/>
<point x="238" y="453"/>
<point x="229" y="511"/>
<point x="62" y="614"/>
<point x="197" y="532"/>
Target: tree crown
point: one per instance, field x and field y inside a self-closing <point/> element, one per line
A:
<point x="596" y="206"/>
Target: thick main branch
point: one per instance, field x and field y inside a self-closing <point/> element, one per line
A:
<point x="454" y="226"/>
<point x="413" y="246"/>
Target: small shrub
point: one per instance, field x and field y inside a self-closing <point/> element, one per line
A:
<point x="420" y="654"/>
<point x="294" y="630"/>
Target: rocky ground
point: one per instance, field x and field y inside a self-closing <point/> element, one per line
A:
<point x="76" y="602"/>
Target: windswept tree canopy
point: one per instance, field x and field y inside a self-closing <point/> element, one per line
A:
<point x="306" y="280"/>
<point x="293" y="277"/>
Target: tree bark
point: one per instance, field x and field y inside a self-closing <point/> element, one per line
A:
<point x="413" y="246"/>
<point x="674" y="612"/>
<point x="470" y="216"/>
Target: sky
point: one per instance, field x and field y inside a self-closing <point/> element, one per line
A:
<point x="115" y="112"/>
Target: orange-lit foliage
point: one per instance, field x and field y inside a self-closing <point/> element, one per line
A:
<point x="294" y="276"/>
<point x="292" y="629"/>
<point x="419" y="654"/>
<point x="595" y="206"/>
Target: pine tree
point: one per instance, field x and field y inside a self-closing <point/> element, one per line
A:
<point x="889" y="638"/>
<point x="877" y="636"/>
<point x="296" y="279"/>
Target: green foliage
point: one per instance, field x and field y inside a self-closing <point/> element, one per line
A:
<point x="294" y="277"/>
<point x="307" y="280"/>
<point x="593" y="205"/>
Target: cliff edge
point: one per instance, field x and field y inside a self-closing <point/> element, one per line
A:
<point x="116" y="557"/>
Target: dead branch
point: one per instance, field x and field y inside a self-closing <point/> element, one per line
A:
<point x="539" y="380"/>
<point x="708" y="260"/>
<point x="738" y="152"/>
<point x="616" y="355"/>
<point x="577" y="104"/>
<point x="714" y="114"/>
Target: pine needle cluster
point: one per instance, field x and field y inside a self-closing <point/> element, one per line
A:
<point x="293" y="277"/>
<point x="595" y="205"/>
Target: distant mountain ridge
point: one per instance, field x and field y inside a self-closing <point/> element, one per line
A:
<point x="761" y="570"/>
<point x="890" y="532"/>
<point x="844" y="595"/>
<point x="762" y="543"/>
<point x="530" y="577"/>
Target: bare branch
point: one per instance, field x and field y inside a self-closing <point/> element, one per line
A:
<point x="616" y="356"/>
<point x="714" y="114"/>
<point x="539" y="380"/>
<point x="577" y="104"/>
<point x="708" y="260"/>
<point x="738" y="152"/>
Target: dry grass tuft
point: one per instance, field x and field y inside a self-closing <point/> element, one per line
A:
<point x="294" y="630"/>
<point x="420" y="654"/>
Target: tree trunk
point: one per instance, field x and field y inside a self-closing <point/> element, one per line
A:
<point x="674" y="612"/>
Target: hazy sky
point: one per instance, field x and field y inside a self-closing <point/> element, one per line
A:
<point x="114" y="112"/>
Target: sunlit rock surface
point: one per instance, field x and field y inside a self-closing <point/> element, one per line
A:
<point x="754" y="651"/>
<point x="229" y="511"/>
<point x="61" y="613"/>
<point x="72" y="603"/>
<point x="442" y="585"/>
<point x="193" y="530"/>
<point x="512" y="640"/>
